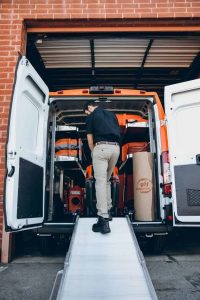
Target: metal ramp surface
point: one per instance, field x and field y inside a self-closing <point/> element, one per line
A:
<point x="108" y="267"/>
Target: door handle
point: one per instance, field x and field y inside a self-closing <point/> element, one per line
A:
<point x="11" y="172"/>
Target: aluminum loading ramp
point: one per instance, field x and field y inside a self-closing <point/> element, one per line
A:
<point x="108" y="267"/>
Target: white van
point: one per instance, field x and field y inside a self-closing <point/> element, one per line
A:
<point x="39" y="118"/>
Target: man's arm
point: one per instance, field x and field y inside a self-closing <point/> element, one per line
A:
<point x="90" y="141"/>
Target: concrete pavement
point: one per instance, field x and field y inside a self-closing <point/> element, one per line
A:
<point x="175" y="274"/>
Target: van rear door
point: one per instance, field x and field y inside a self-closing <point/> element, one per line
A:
<point x="182" y="106"/>
<point x="26" y="150"/>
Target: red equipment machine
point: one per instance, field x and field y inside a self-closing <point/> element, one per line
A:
<point x="76" y="199"/>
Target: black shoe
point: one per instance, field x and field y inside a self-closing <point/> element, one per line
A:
<point x="102" y="225"/>
<point x="110" y="215"/>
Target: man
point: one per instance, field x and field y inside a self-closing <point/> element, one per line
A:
<point x="103" y="135"/>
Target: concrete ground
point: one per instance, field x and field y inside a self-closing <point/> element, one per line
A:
<point x="28" y="279"/>
<point x="175" y="274"/>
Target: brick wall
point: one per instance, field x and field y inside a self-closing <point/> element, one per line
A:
<point x="12" y="34"/>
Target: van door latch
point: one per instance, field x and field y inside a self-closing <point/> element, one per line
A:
<point x="11" y="172"/>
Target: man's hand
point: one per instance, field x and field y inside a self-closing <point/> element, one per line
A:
<point x="90" y="141"/>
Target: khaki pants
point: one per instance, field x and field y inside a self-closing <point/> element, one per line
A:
<point x="104" y="159"/>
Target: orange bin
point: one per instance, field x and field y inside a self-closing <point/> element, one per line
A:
<point x="124" y="118"/>
<point x="66" y="147"/>
<point x="133" y="147"/>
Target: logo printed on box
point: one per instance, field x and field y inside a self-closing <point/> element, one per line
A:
<point x="144" y="185"/>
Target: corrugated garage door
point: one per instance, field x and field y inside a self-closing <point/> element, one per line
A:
<point x="148" y="62"/>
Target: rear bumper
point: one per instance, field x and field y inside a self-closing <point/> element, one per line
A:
<point x="138" y="227"/>
<point x="151" y="227"/>
<point x="55" y="228"/>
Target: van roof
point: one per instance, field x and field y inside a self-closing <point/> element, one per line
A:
<point x="116" y="92"/>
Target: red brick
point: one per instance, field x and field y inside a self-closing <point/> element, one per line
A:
<point x="143" y="10"/>
<point x="91" y="11"/>
<point x="151" y="15"/>
<point x="6" y="110"/>
<point x="7" y="5"/>
<point x="4" y="115"/>
<point x="177" y="10"/>
<point x="5" y="22"/>
<point x="7" y="16"/>
<point x="195" y="15"/>
<point x="163" y="5"/>
<point x="160" y="10"/>
<point x="75" y="11"/>
<point x="130" y="5"/>
<point x="56" y="11"/>
<point x="84" y="16"/>
<point x="164" y="1"/>
<point x="196" y="10"/>
<point x="5" y="122"/>
<point x="165" y="15"/>
<point x="178" y="4"/>
<point x="59" y="6"/>
<point x="90" y="1"/>
<point x="96" y="16"/>
<point x="96" y="5"/>
<point x="130" y="16"/>
<point x="38" y="7"/>
<point x="148" y="6"/>
<point x="62" y="16"/>
<point x="124" y="1"/>
<point x="114" y="16"/>
<point x="185" y="15"/>
<point x="143" y="1"/>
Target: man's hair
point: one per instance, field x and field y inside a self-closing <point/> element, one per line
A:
<point x="89" y="103"/>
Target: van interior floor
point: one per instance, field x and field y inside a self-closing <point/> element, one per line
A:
<point x="107" y="266"/>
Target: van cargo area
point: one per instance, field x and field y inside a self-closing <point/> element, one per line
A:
<point x="70" y="167"/>
<point x="135" y="182"/>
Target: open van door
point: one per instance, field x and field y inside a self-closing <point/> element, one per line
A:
<point x="26" y="150"/>
<point x="182" y="106"/>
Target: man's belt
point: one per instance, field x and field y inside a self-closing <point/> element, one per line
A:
<point x="107" y="143"/>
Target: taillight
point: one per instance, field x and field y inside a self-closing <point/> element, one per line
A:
<point x="169" y="213"/>
<point x="166" y="174"/>
<point x="170" y="218"/>
<point x="167" y="189"/>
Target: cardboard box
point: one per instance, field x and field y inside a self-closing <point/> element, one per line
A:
<point x="143" y="187"/>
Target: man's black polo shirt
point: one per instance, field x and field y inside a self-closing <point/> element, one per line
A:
<point x="104" y="126"/>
